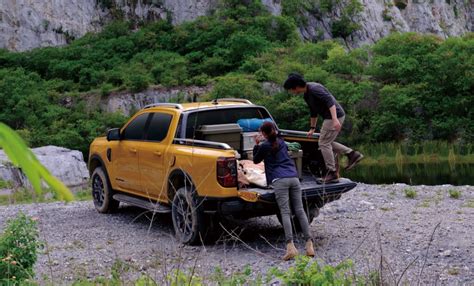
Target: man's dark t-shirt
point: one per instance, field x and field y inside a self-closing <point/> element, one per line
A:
<point x="319" y="100"/>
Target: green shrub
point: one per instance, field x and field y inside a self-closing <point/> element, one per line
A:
<point x="18" y="245"/>
<point x="308" y="272"/>
<point x="105" y="89"/>
<point x="410" y="193"/>
<point x="339" y="61"/>
<point x="314" y="54"/>
<point x="343" y="27"/>
<point x="317" y="74"/>
<point x="454" y="194"/>
<point x="4" y="184"/>
<point x="262" y="75"/>
<point x="237" y="86"/>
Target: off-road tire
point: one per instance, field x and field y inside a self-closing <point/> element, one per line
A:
<point x="189" y="221"/>
<point x="102" y="192"/>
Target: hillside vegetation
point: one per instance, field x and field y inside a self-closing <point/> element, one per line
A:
<point x="405" y="87"/>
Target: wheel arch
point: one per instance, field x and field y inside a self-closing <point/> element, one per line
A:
<point x="94" y="162"/>
<point x="176" y="180"/>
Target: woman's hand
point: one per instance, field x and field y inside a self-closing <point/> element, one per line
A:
<point x="255" y="138"/>
<point x="258" y="138"/>
<point x="311" y="132"/>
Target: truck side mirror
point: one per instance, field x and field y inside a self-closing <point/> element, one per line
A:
<point x="113" y="134"/>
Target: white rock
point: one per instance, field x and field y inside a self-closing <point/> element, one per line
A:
<point x="67" y="165"/>
<point x="446" y="253"/>
<point x="129" y="103"/>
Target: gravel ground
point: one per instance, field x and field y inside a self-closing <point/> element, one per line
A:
<point x="370" y="224"/>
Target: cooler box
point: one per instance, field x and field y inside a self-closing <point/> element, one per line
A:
<point x="224" y="133"/>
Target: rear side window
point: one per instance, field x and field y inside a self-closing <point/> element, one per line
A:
<point x="221" y="116"/>
<point x="159" y="126"/>
<point x="136" y="129"/>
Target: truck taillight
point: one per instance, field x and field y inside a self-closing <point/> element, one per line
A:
<point x="227" y="172"/>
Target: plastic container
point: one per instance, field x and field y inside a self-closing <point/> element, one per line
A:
<point x="224" y="133"/>
<point x="248" y="140"/>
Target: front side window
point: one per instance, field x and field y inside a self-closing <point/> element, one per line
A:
<point x="159" y="126"/>
<point x="136" y="129"/>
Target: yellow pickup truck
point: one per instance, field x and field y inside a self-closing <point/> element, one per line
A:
<point x="182" y="159"/>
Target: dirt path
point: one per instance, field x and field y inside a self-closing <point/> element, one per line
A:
<point x="371" y="224"/>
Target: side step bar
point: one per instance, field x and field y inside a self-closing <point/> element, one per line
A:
<point x="143" y="203"/>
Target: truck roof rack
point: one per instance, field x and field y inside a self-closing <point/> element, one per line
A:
<point x="241" y="100"/>
<point x="164" y="104"/>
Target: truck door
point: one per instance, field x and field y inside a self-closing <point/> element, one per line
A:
<point x="152" y="160"/>
<point x="125" y="155"/>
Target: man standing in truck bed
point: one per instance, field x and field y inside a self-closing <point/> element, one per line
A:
<point x="321" y="102"/>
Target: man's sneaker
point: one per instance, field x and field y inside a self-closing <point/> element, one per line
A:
<point x="331" y="177"/>
<point x="354" y="158"/>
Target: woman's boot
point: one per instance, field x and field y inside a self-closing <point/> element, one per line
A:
<point x="309" y="248"/>
<point x="291" y="251"/>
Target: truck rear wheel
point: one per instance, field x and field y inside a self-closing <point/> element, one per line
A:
<point x="102" y="192"/>
<point x="188" y="217"/>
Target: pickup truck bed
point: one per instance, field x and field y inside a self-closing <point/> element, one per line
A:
<point x="315" y="195"/>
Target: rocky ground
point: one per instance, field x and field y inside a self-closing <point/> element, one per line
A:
<point x="424" y="240"/>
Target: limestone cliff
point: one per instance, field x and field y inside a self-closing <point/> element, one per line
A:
<point x="27" y="24"/>
<point x="378" y="18"/>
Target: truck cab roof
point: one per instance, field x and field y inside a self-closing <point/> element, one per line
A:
<point x="214" y="104"/>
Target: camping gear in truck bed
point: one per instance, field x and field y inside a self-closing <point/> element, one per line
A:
<point x="224" y="133"/>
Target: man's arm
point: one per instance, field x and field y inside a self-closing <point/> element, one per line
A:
<point x="335" y="122"/>
<point x="313" y="122"/>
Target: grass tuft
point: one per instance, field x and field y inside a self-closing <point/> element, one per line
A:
<point x="454" y="194"/>
<point x="410" y="193"/>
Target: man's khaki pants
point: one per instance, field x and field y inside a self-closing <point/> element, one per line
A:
<point x="327" y="145"/>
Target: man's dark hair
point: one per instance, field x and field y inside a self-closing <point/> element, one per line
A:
<point x="294" y="80"/>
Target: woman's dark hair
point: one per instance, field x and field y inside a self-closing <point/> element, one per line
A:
<point x="268" y="128"/>
<point x="294" y="80"/>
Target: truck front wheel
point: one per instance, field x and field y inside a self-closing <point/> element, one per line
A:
<point x="188" y="218"/>
<point x="102" y="192"/>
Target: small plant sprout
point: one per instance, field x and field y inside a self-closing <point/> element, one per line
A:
<point x="410" y="193"/>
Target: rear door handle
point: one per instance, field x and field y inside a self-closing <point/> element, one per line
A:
<point x="157" y="153"/>
<point x="134" y="151"/>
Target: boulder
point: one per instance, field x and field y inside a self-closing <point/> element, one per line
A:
<point x="67" y="165"/>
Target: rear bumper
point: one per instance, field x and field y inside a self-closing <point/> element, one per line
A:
<point x="314" y="194"/>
